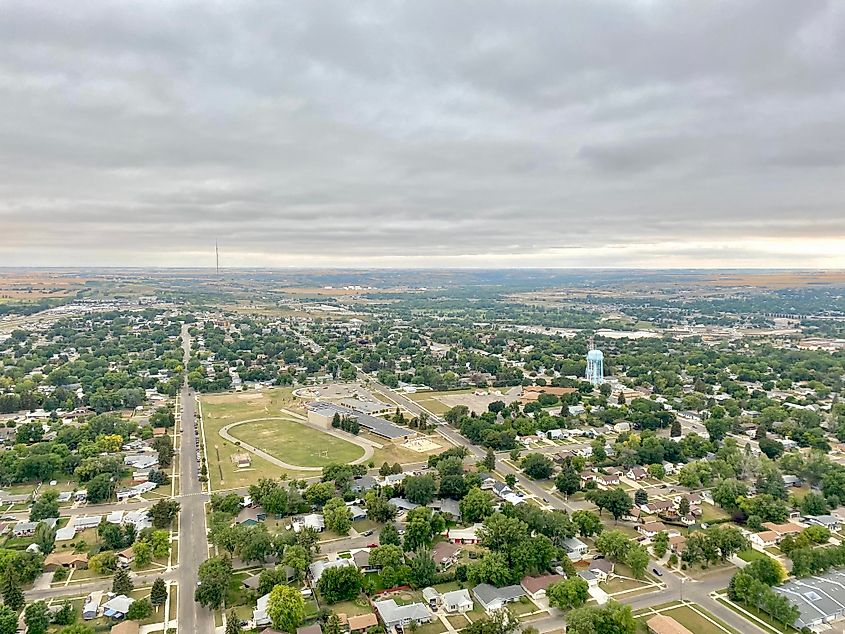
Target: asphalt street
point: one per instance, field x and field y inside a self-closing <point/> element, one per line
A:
<point x="193" y="538"/>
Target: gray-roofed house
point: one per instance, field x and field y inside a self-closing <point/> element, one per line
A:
<point x="402" y="504"/>
<point x="27" y="529"/>
<point x="393" y="615"/>
<point x="317" y="568"/>
<point x="575" y="548"/>
<point x="363" y="483"/>
<point x="492" y="598"/>
<point x="362" y="561"/>
<point x="828" y="521"/>
<point x="446" y="506"/>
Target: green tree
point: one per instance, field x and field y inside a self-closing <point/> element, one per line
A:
<point x="337" y="516"/>
<point x="389" y="535"/>
<point x="139" y="610"/>
<point x="12" y="594"/>
<point x="537" y="466"/>
<point x="637" y="560"/>
<point x="660" y="544"/>
<point x="215" y="574"/>
<point x="163" y="512"/>
<point x="588" y="523"/>
<point x="423" y="569"/>
<point x="66" y="614"/>
<point x="499" y="622"/>
<point x="611" y="618"/>
<point x="8" y="620"/>
<point x="340" y="584"/>
<point x="233" y="623"/>
<point x="143" y="554"/>
<point x="37" y="618"/>
<point x="476" y="505"/>
<point x="296" y="557"/>
<point x="420" y="489"/>
<point x="158" y="593"/>
<point x="121" y="583"/>
<point x="332" y="625"/>
<point x="47" y="505"/>
<point x="489" y="462"/>
<point x="77" y="628"/>
<point x="286" y="608"/>
<point x="569" y="593"/>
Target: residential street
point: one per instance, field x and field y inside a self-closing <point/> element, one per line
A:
<point x="193" y="539"/>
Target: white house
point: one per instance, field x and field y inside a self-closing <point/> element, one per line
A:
<point x="457" y="601"/>
<point x="575" y="548"/>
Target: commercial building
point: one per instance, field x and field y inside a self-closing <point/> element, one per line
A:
<point x="820" y="599"/>
<point x="321" y="414"/>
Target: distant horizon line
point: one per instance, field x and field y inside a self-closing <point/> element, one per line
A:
<point x="409" y="268"/>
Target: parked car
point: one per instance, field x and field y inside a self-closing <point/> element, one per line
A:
<point x="657" y="572"/>
<point x="367" y="533"/>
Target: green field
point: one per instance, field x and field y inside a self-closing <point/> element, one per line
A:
<point x="295" y="443"/>
<point x="696" y="620"/>
<point x="220" y="410"/>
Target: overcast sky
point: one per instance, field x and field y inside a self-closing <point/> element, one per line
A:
<point x="423" y="133"/>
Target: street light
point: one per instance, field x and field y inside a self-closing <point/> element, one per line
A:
<point x="682" y="589"/>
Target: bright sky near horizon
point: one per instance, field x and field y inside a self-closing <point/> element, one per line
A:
<point x="659" y="133"/>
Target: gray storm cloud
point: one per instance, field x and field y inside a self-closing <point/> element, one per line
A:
<point x="423" y="133"/>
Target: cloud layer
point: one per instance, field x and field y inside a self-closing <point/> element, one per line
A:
<point x="645" y="133"/>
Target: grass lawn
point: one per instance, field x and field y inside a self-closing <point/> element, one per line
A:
<point x="220" y="410"/>
<point x="710" y="513"/>
<point x="695" y="620"/>
<point x="351" y="608"/>
<point x="750" y="555"/>
<point x="297" y="444"/>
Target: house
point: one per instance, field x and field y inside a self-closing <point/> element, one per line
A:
<point x="575" y="548"/>
<point x="445" y="554"/>
<point x="651" y="529"/>
<point x="56" y="560"/>
<point x="669" y="468"/>
<point x="590" y="577"/>
<point x="782" y="530"/>
<point x="492" y="598"/>
<point x="677" y="544"/>
<point x="634" y="514"/>
<point x="467" y="535"/>
<point x="536" y="587"/>
<point x="663" y="624"/>
<point x="402" y="504"/>
<point x="601" y="568"/>
<point x="91" y="607"/>
<point x="457" y="601"/>
<point x="362" y="622"/>
<point x="394" y="615"/>
<point x="828" y="521"/>
<point x="606" y="481"/>
<point x="260" y="617"/>
<point x="126" y="627"/>
<point x="65" y="533"/>
<point x="363" y="484"/>
<point x="392" y="479"/>
<point x="83" y="522"/>
<point x="314" y="521"/>
<point x="80" y="496"/>
<point x="657" y="506"/>
<point x="791" y="480"/>
<point x="357" y="512"/>
<point x="250" y="516"/>
<point x="27" y="529"/>
<point x="126" y="557"/>
<point x="135" y="491"/>
<point x="636" y="473"/>
<point x="141" y="461"/>
<point x="361" y="558"/>
<point x="763" y="539"/>
<point x="117" y="607"/>
<point x="317" y="568"/>
<point x="115" y="517"/>
<point x="447" y="507"/>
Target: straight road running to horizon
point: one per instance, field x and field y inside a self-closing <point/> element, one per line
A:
<point x="193" y="539"/>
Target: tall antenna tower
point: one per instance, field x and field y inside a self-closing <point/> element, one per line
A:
<point x="217" y="257"/>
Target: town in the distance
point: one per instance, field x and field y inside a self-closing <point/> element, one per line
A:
<point x="421" y="452"/>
